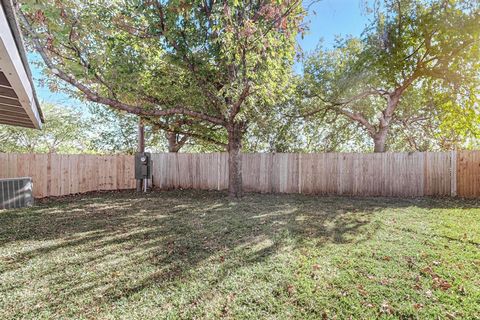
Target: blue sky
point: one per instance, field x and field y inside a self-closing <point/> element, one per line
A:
<point x="331" y="18"/>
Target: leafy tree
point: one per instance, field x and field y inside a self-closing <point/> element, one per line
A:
<point x="412" y="44"/>
<point x="204" y="60"/>
<point x="277" y="130"/>
<point x="189" y="133"/>
<point x="113" y="132"/>
<point x="63" y="132"/>
<point x="433" y="121"/>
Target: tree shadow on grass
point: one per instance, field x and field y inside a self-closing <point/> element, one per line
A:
<point x="112" y="246"/>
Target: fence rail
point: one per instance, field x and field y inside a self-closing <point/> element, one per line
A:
<point x="372" y="174"/>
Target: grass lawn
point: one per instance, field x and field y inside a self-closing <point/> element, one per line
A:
<point x="185" y="254"/>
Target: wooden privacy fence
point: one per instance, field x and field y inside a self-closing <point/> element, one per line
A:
<point x="468" y="174"/>
<point x="58" y="175"/>
<point x="371" y="174"/>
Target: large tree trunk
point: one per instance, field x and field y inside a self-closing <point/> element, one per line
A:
<point x="172" y="141"/>
<point x="379" y="140"/>
<point x="380" y="137"/>
<point x="175" y="144"/>
<point x="235" y="187"/>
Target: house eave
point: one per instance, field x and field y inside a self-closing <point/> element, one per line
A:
<point x="18" y="100"/>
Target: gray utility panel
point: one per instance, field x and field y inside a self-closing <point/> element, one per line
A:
<point x="143" y="165"/>
<point x="16" y="193"/>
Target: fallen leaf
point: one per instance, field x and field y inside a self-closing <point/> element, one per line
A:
<point x="427" y="270"/>
<point x="386" y="308"/>
<point x="362" y="290"/>
<point x="444" y="284"/>
<point x="418" y="306"/>
<point x="290" y="289"/>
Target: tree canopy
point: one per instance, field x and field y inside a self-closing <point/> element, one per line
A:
<point x="204" y="60"/>
<point x="428" y="47"/>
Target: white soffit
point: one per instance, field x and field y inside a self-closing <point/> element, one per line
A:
<point x="18" y="105"/>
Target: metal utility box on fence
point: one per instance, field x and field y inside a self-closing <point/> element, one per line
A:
<point x="16" y="193"/>
<point x="143" y="165"/>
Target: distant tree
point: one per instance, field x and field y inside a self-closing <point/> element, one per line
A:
<point x="433" y="121"/>
<point x="412" y="44"/>
<point x="276" y="131"/>
<point x="117" y="132"/>
<point x="113" y="132"/>
<point x="285" y="130"/>
<point x="63" y="132"/>
<point x="182" y="133"/>
<point x="424" y="121"/>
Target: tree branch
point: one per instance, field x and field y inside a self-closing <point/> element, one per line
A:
<point x="360" y="118"/>
<point x="96" y="97"/>
<point x="167" y="128"/>
<point x="236" y="106"/>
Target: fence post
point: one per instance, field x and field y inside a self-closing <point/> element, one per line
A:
<point x="49" y="174"/>
<point x="299" y="173"/>
<point x="453" y="173"/>
<point x="219" y="156"/>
